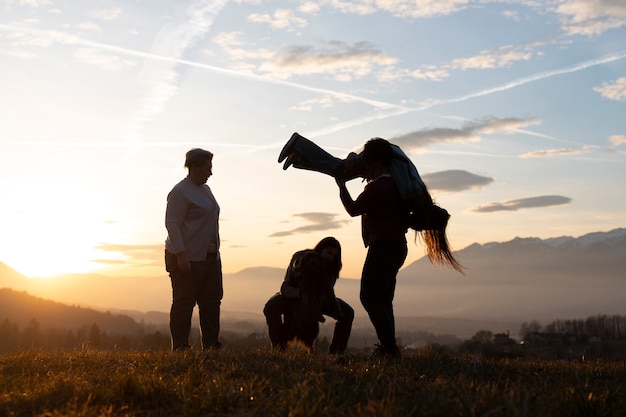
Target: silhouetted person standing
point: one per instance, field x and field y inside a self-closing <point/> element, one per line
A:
<point x="192" y="255"/>
<point x="384" y="223"/>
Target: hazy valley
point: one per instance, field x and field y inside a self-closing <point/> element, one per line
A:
<point x="506" y="283"/>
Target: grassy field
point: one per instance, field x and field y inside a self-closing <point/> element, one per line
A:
<point x="266" y="383"/>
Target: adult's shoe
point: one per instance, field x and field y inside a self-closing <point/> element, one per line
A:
<point x="384" y="352"/>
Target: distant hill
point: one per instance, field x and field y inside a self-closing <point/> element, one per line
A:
<point x="9" y="277"/>
<point x="525" y="278"/>
<point x="519" y="280"/>
<point x="21" y="308"/>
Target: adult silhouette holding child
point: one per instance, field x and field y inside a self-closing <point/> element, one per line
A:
<point x="394" y="200"/>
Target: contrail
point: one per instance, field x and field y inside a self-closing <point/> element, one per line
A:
<point x="66" y="38"/>
<point x="513" y="84"/>
<point x="395" y="109"/>
<point x="70" y="39"/>
<point x="526" y="80"/>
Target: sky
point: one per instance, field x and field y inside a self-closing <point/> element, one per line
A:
<point x="512" y="111"/>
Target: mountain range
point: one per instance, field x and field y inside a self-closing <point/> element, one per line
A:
<point x="509" y="282"/>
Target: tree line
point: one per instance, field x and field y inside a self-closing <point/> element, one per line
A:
<point x="602" y="326"/>
<point x="33" y="336"/>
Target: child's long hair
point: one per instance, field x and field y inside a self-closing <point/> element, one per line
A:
<point x="430" y="222"/>
<point x="330" y="242"/>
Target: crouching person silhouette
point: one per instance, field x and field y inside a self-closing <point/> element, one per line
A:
<point x="306" y="296"/>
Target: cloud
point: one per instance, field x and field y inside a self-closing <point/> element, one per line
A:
<point x="424" y="8"/>
<point x="470" y="132"/>
<point x="344" y="61"/>
<point x="430" y="73"/>
<point x="525" y="80"/>
<point x="35" y="3"/>
<point x="591" y="17"/>
<point x="500" y="125"/>
<point x="523" y="203"/>
<point x="309" y="105"/>
<point x="511" y="14"/>
<point x="160" y="78"/>
<point x="133" y="255"/>
<point x="309" y="7"/>
<point x="231" y="45"/>
<point x="503" y="56"/>
<point x="106" y="14"/>
<point x="425" y="137"/>
<point x="408" y="9"/>
<point x="617" y="140"/>
<point x="455" y="180"/>
<point x="281" y="19"/>
<point x="320" y="221"/>
<point x="89" y="26"/>
<point x="615" y="90"/>
<point x="556" y="152"/>
<point x="493" y="58"/>
<point x="107" y="62"/>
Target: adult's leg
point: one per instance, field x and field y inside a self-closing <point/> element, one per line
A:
<point x="274" y="310"/>
<point x="378" y="284"/>
<point x="183" y="301"/>
<point x="343" y="327"/>
<point x="210" y="292"/>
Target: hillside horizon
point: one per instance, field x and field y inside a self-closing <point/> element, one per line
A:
<point x="521" y="279"/>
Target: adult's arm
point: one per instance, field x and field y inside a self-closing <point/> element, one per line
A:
<point x="351" y="206"/>
<point x="175" y="213"/>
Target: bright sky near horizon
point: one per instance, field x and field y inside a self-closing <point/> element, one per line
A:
<point x="513" y="111"/>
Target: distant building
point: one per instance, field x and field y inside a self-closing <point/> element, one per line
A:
<point x="502" y="339"/>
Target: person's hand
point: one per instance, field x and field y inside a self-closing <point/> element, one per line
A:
<point x="183" y="262"/>
<point x="351" y="161"/>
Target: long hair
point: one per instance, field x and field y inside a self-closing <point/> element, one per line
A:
<point x="430" y="222"/>
<point x="331" y="242"/>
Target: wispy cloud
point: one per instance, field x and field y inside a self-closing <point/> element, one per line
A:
<point x="401" y="8"/>
<point x="503" y="56"/>
<point x="591" y="17"/>
<point x="615" y="90"/>
<point x="469" y="132"/>
<point x="280" y="19"/>
<point x="531" y="78"/>
<point x="35" y="3"/>
<point x="160" y="78"/>
<point x="430" y="103"/>
<point x="89" y="26"/>
<point x="318" y="221"/>
<point x="523" y="203"/>
<point x="28" y="35"/>
<point x="106" y="14"/>
<point x="617" y="140"/>
<point x="50" y="37"/>
<point x="345" y="61"/>
<point x="556" y="152"/>
<point x="107" y="62"/>
<point x="455" y="181"/>
<point x="132" y="255"/>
